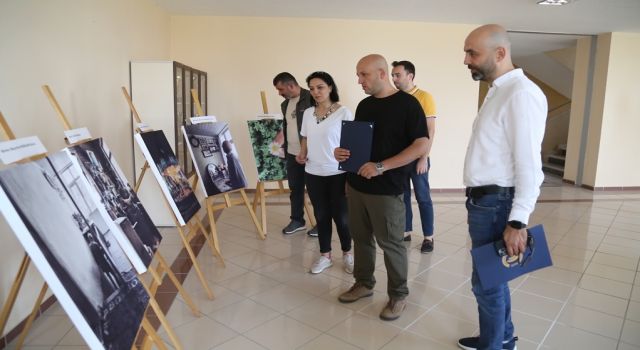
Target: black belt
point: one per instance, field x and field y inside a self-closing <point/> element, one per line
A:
<point x="480" y="191"/>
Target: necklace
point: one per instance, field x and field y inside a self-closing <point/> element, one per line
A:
<point x="325" y="116"/>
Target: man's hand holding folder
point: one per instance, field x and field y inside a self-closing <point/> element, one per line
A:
<point x="354" y="153"/>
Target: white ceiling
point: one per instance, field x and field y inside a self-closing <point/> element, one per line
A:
<point x="584" y="17"/>
<point x="578" y="17"/>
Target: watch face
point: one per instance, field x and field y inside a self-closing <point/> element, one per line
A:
<point x="516" y="224"/>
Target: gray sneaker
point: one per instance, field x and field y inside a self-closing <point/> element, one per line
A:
<point x="313" y="232"/>
<point x="393" y="309"/>
<point x="356" y="292"/>
<point x="293" y="227"/>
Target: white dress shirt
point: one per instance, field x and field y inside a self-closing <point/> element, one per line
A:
<point x="506" y="139"/>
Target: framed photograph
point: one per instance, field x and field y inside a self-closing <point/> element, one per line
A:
<point x="135" y="231"/>
<point x="48" y="206"/>
<point x="215" y="157"/>
<point x="267" y="139"/>
<point x="164" y="166"/>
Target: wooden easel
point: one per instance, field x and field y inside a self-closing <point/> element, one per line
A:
<point x="22" y="270"/>
<point x="162" y="267"/>
<point x="17" y="284"/>
<point x="194" y="224"/>
<point x="162" y="263"/>
<point x="261" y="193"/>
<point x="228" y="202"/>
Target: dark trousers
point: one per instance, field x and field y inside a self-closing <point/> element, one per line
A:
<point x="295" y="176"/>
<point x="329" y="202"/>
<point x="379" y="218"/>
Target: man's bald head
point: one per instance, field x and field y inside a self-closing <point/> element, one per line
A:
<point x="488" y="52"/>
<point x="373" y="75"/>
<point x="492" y="36"/>
<point x="374" y="61"/>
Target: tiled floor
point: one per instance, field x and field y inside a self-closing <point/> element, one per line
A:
<point x="266" y="299"/>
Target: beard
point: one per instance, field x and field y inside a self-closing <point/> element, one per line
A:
<point x="477" y="75"/>
<point x="482" y="71"/>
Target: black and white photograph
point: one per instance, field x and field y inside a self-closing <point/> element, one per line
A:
<point x="215" y="157"/>
<point x="165" y="167"/>
<point x="137" y="233"/>
<point x="47" y="205"/>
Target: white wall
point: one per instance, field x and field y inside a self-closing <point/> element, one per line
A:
<point x="579" y="99"/>
<point x="81" y="48"/>
<point x="242" y="55"/>
<point x="618" y="165"/>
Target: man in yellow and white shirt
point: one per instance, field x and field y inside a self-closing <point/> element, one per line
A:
<point x="402" y="75"/>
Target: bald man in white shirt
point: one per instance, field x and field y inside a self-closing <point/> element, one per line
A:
<point x="502" y="171"/>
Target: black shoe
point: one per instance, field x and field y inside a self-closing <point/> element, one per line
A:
<point x="293" y="227"/>
<point x="313" y="232"/>
<point x="472" y="343"/>
<point x="427" y="246"/>
<point x="407" y="238"/>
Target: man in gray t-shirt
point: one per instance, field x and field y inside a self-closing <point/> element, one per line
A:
<point x="296" y="101"/>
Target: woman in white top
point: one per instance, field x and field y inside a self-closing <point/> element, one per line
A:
<point x="320" y="132"/>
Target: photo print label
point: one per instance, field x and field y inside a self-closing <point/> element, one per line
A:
<point x="14" y="150"/>
<point x="77" y="135"/>
<point x="204" y="119"/>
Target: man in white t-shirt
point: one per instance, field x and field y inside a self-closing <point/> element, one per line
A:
<point x="296" y="101"/>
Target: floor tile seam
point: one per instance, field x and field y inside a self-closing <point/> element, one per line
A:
<point x="284" y="284"/>
<point x="584" y="273"/>
<point x="476" y="331"/>
<point x="329" y="335"/>
<point x="434" y="306"/>
<point x="556" y="319"/>
<point x="541" y="296"/>
<point x="244" y="333"/>
<point x="352" y="312"/>
<point x="607" y="278"/>
<point x="626" y="312"/>
<point x="616" y="266"/>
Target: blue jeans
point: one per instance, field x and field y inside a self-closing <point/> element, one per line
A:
<point x="423" y="197"/>
<point x="487" y="219"/>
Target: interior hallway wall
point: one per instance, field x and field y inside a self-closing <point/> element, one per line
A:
<point x="241" y="55"/>
<point x="81" y="48"/>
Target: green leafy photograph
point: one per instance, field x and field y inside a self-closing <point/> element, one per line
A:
<point x="267" y="140"/>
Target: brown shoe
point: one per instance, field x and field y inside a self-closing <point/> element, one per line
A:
<point x="393" y="310"/>
<point x="356" y="292"/>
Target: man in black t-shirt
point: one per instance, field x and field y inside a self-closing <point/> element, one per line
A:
<point x="375" y="193"/>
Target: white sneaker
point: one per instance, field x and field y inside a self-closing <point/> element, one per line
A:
<point x="347" y="261"/>
<point x="321" y="264"/>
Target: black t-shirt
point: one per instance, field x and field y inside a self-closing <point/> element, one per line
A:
<point x="398" y="120"/>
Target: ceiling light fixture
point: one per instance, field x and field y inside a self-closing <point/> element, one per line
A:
<point x="553" y="2"/>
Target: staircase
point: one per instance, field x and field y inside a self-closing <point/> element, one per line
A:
<point x="555" y="161"/>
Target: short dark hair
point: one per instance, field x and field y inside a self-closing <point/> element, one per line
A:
<point x="284" y="77"/>
<point x="324" y="76"/>
<point x="408" y="66"/>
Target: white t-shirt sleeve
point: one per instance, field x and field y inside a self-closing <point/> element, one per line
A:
<point x="348" y="115"/>
<point x="308" y="113"/>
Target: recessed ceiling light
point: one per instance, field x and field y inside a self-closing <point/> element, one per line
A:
<point x="553" y="2"/>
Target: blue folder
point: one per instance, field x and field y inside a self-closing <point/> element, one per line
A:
<point x="357" y="137"/>
<point x="494" y="269"/>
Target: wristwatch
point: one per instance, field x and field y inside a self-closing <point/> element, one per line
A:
<point x="379" y="168"/>
<point x="516" y="224"/>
